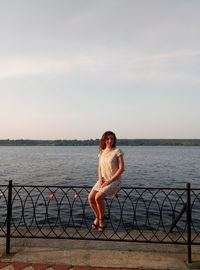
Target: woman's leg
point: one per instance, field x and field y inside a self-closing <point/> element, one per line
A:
<point x="99" y="198"/>
<point x="92" y="202"/>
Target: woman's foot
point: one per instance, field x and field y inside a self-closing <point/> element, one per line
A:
<point x="101" y="225"/>
<point x="95" y="223"/>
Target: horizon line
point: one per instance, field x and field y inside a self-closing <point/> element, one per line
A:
<point x="99" y="139"/>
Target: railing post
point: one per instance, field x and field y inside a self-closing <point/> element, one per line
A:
<point x="9" y="216"/>
<point x="189" y="222"/>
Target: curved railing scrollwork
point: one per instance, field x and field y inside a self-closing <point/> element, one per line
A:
<point x="135" y="214"/>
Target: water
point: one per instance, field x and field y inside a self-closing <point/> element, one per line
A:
<point x="145" y="166"/>
<point x="157" y="166"/>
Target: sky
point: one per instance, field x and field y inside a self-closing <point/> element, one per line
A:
<point x="72" y="69"/>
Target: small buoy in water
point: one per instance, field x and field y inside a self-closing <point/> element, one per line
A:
<point x="51" y="196"/>
<point x="1" y="194"/>
<point x="75" y="195"/>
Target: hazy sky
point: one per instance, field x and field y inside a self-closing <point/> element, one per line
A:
<point x="76" y="68"/>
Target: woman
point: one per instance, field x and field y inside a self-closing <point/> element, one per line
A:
<point x="111" y="166"/>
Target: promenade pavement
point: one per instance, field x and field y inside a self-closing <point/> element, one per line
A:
<point x="43" y="254"/>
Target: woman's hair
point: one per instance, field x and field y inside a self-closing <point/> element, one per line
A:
<point x="106" y="134"/>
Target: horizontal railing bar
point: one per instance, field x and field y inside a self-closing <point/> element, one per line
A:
<point x="101" y="239"/>
<point x="123" y="187"/>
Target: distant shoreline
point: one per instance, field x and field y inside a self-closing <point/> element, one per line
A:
<point x="91" y="142"/>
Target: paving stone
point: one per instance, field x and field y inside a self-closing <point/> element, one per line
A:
<point x="28" y="268"/>
<point x="8" y="267"/>
<point x="20" y="266"/>
<point x="114" y="268"/>
<point x="3" y="264"/>
<point x="81" y="268"/>
<point x="61" y="267"/>
<point x="37" y="266"/>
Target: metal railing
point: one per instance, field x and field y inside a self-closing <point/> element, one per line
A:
<point x="150" y="215"/>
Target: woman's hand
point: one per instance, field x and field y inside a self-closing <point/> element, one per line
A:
<point x="100" y="181"/>
<point x="106" y="183"/>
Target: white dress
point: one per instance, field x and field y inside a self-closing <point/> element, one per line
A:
<point x="108" y="160"/>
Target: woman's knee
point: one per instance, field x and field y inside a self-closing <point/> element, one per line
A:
<point x="91" y="197"/>
<point x="99" y="197"/>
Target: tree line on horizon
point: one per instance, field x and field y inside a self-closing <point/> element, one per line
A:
<point x="92" y="142"/>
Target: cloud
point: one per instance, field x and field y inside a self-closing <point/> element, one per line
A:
<point x="22" y="67"/>
<point x="26" y="67"/>
<point x="172" y="66"/>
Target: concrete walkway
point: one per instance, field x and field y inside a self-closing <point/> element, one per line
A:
<point x="49" y="254"/>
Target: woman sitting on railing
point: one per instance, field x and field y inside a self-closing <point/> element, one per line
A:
<point x="111" y="166"/>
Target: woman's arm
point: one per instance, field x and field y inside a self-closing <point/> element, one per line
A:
<point x="117" y="173"/>
<point x="100" y="175"/>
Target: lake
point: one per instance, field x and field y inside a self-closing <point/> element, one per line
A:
<point x="157" y="166"/>
<point x="145" y="166"/>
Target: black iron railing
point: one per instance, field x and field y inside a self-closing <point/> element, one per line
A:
<point x="153" y="215"/>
